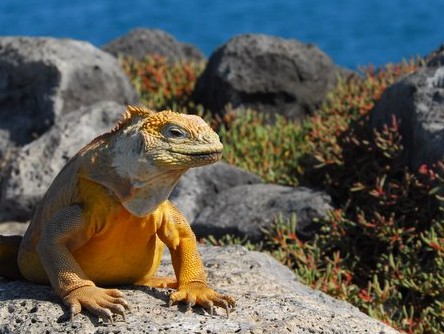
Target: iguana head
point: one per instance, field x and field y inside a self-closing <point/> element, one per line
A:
<point x="143" y="157"/>
<point x="176" y="140"/>
<point x="146" y="140"/>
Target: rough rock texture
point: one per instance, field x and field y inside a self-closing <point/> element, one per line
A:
<point x="269" y="74"/>
<point x="200" y="186"/>
<point x="417" y="102"/>
<point x="33" y="169"/>
<point x="436" y="58"/>
<point x="244" y="210"/>
<point x="140" y="42"/>
<point x="13" y="228"/>
<point x="269" y="300"/>
<point x="43" y="78"/>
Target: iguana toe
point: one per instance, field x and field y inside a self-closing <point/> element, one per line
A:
<point x="201" y="294"/>
<point x="226" y="302"/>
<point x="100" y="302"/>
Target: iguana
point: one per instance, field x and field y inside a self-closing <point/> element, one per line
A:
<point x="106" y="217"/>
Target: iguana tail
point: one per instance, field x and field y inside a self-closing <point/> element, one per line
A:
<point x="9" y="247"/>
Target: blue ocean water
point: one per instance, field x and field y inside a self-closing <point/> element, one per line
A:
<point x="352" y="32"/>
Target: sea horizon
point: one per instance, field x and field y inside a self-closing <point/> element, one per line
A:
<point x="352" y="33"/>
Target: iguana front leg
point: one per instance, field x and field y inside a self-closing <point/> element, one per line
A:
<point x="176" y="233"/>
<point x="65" y="232"/>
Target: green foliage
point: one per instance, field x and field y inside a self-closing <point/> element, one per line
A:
<point x="231" y="240"/>
<point x="397" y="278"/>
<point x="162" y="84"/>
<point x="271" y="150"/>
<point x="349" y="103"/>
<point x="382" y="249"/>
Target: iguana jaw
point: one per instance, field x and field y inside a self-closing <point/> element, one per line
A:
<point x="211" y="154"/>
<point x="197" y="153"/>
<point x="178" y="159"/>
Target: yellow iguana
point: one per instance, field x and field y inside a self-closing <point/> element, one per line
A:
<point x="106" y="217"/>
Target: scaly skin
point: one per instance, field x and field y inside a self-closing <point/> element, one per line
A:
<point x="106" y="217"/>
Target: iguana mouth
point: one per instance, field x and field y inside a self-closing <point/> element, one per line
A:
<point x="209" y="153"/>
<point x="203" y="156"/>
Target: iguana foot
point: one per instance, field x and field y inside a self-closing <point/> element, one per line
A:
<point x="159" y="282"/>
<point x="201" y="294"/>
<point x="100" y="302"/>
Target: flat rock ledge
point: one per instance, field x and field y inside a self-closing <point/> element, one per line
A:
<point x="269" y="300"/>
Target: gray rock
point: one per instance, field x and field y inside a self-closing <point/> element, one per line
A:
<point x="417" y="102"/>
<point x="141" y="42"/>
<point x="7" y="147"/>
<point x="268" y="74"/>
<point x="269" y="300"/>
<point x="13" y="228"/>
<point x="245" y="210"/>
<point x="42" y="79"/>
<point x="200" y="186"/>
<point x="32" y="171"/>
<point x="436" y="58"/>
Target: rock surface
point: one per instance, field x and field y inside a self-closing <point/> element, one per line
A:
<point x="140" y="42"/>
<point x="200" y="186"/>
<point x="243" y="72"/>
<point x="417" y="102"/>
<point x="245" y="210"/>
<point x="31" y="172"/>
<point x="269" y="300"/>
<point x="436" y="58"/>
<point x="44" y="78"/>
<point x="13" y="228"/>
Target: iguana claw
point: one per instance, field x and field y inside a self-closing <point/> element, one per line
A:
<point x="199" y="293"/>
<point x="100" y="302"/>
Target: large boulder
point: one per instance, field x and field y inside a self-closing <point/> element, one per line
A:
<point x="200" y="186"/>
<point x="42" y="79"/>
<point x="141" y="42"/>
<point x="31" y="172"/>
<point x="245" y="210"/>
<point x="417" y="102"/>
<point x="268" y="74"/>
<point x="269" y="300"/>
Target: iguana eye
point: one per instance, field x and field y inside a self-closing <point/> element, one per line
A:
<point x="174" y="131"/>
